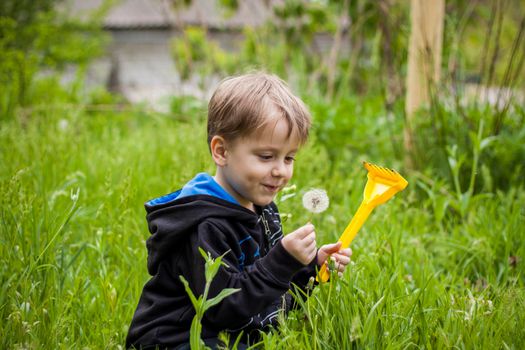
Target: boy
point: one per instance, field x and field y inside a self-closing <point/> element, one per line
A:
<point x="255" y="127"/>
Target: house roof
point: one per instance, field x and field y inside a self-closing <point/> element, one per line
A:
<point x="135" y="14"/>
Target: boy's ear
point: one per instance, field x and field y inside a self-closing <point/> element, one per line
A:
<point x="219" y="151"/>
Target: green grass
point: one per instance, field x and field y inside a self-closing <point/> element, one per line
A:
<point x="73" y="256"/>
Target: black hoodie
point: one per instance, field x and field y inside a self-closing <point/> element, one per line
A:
<point x="257" y="263"/>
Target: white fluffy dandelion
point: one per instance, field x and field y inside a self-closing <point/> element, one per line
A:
<point x="316" y="201"/>
<point x="63" y="124"/>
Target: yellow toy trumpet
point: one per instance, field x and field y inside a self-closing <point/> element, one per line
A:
<point x="382" y="185"/>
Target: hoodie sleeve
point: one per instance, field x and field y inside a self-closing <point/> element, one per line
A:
<point x="302" y="277"/>
<point x="261" y="285"/>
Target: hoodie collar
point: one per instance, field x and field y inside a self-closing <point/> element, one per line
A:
<point x="201" y="184"/>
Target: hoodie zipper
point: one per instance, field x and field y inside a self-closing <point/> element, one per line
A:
<point x="267" y="232"/>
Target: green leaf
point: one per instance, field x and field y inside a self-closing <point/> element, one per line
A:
<point x="196" y="342"/>
<point x="486" y="141"/>
<point x="205" y="255"/>
<point x="475" y="139"/>
<point x="194" y="301"/>
<point x="440" y="206"/>
<point x="452" y="162"/>
<point x="219" y="297"/>
<point x="212" y="268"/>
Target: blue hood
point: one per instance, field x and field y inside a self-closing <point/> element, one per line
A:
<point x="202" y="183"/>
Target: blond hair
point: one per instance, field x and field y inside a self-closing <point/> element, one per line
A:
<point x="242" y="104"/>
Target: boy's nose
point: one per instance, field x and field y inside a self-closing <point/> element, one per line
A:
<point x="278" y="169"/>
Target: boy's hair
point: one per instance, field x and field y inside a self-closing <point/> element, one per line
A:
<point x="241" y="105"/>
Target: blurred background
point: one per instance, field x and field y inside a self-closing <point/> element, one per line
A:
<point x="458" y="61"/>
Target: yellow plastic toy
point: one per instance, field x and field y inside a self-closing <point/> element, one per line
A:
<point x="382" y="185"/>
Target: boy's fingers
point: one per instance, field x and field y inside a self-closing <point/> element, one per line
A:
<point x="346" y="251"/>
<point x="342" y="259"/>
<point x="311" y="248"/>
<point x="332" y="248"/>
<point x="309" y="237"/>
<point x="304" y="231"/>
<point x="337" y="266"/>
<point x="308" y="244"/>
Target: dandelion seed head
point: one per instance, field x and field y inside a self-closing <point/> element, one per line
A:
<point x="316" y="201"/>
<point x="63" y="124"/>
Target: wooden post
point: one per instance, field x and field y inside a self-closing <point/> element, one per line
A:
<point x="424" y="61"/>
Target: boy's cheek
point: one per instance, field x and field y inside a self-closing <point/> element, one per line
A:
<point x="291" y="170"/>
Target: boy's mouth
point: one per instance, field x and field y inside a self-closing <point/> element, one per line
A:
<point x="271" y="188"/>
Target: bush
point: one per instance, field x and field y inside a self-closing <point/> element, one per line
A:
<point x="33" y="37"/>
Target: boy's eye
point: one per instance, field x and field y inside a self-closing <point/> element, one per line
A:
<point x="290" y="159"/>
<point x="265" y="156"/>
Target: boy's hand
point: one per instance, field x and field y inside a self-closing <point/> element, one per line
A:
<point x="341" y="258"/>
<point x="301" y="244"/>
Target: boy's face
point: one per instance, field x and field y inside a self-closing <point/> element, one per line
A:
<point x="256" y="167"/>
